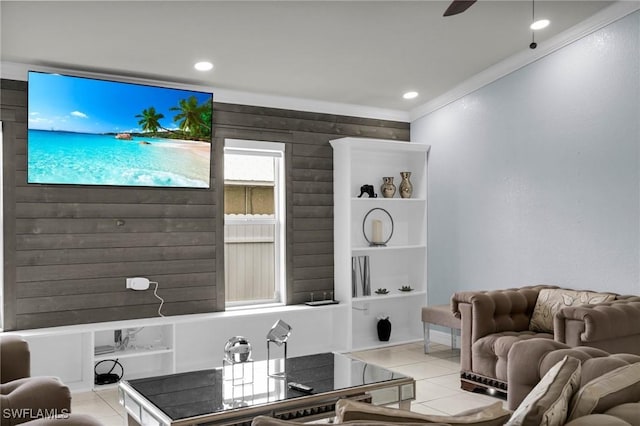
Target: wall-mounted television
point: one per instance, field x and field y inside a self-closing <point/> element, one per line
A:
<point x="86" y="131"/>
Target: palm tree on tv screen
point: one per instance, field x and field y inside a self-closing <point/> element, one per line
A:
<point x="192" y="118"/>
<point x="150" y="120"/>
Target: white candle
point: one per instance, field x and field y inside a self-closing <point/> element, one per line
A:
<point x="377" y="231"/>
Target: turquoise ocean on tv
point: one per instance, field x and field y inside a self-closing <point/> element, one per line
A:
<point x="58" y="157"/>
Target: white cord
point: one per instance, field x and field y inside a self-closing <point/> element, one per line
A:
<point x="155" y="293"/>
<point x="134" y="331"/>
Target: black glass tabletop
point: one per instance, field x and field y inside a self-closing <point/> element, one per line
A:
<point x="192" y="394"/>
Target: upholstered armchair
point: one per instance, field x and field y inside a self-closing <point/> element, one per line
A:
<point x="493" y="321"/>
<point x="15" y="357"/>
<point x="24" y="398"/>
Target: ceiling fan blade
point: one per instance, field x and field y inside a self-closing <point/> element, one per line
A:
<point x="458" y="6"/>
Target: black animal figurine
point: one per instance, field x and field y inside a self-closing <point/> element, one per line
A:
<point x="367" y="189"/>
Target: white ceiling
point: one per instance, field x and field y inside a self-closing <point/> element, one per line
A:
<point x="352" y="52"/>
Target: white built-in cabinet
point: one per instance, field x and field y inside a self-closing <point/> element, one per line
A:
<point x="173" y="344"/>
<point x="402" y="262"/>
<point x="69" y="352"/>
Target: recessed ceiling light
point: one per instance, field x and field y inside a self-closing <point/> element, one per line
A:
<point x="540" y="24"/>
<point x="203" y="66"/>
<point x="410" y="95"/>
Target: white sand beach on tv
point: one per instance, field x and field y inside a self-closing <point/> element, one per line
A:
<point x="200" y="148"/>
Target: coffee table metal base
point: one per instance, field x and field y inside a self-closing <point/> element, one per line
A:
<point x="318" y="407"/>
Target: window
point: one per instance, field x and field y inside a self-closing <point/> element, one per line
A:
<point x="254" y="222"/>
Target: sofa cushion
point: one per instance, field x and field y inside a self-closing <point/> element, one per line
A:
<point x="597" y="420"/>
<point x="547" y="404"/>
<point x="629" y="412"/>
<point x="616" y="387"/>
<point x="551" y="301"/>
<point x="270" y="421"/>
<point x="598" y="366"/>
<point x="347" y="410"/>
<point x="490" y="353"/>
<point x="67" y="420"/>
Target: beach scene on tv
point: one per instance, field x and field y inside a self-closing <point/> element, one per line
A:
<point x="96" y="132"/>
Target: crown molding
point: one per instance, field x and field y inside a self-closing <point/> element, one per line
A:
<point x="610" y="14"/>
<point x="19" y="71"/>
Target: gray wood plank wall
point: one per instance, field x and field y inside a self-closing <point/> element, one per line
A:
<point x="67" y="255"/>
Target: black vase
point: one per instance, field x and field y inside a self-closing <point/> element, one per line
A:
<point x="384" y="329"/>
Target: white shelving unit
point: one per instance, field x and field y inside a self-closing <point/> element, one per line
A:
<point x="174" y="344"/>
<point x="69" y="352"/>
<point x="149" y="350"/>
<point x="402" y="262"/>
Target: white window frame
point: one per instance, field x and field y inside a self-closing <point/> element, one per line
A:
<point x="275" y="150"/>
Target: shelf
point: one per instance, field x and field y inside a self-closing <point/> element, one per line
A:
<point x="106" y="387"/>
<point x="380" y="145"/>
<point x="393" y="341"/>
<point x="359" y="162"/>
<point x="388" y="248"/>
<point x="392" y="295"/>
<point x="146" y="374"/>
<point x="132" y="353"/>
<point x="388" y="200"/>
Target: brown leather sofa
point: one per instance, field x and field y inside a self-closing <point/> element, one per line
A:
<point x="493" y="321"/>
<point x="530" y="360"/>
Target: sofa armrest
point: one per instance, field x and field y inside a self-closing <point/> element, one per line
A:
<point x="610" y="321"/>
<point x="530" y="360"/>
<point x="355" y="411"/>
<point x="24" y="399"/>
<point x="15" y="356"/>
<point x="498" y="310"/>
<point x="270" y="421"/>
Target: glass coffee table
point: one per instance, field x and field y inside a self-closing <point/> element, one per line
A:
<point x="217" y="397"/>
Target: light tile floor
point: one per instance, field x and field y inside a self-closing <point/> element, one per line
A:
<point x="437" y="383"/>
<point x="437" y="376"/>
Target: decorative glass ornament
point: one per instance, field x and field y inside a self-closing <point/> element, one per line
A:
<point x="237" y="349"/>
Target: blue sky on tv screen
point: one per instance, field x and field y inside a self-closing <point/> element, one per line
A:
<point x="76" y="104"/>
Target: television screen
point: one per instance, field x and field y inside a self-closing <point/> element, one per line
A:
<point x="85" y="131"/>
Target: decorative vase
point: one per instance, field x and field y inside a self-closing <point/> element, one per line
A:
<point x="384" y="329"/>
<point x="406" y="188"/>
<point x="365" y="274"/>
<point x="388" y="189"/>
<point x="354" y="276"/>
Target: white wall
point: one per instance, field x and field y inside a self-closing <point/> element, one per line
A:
<point x="535" y="178"/>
